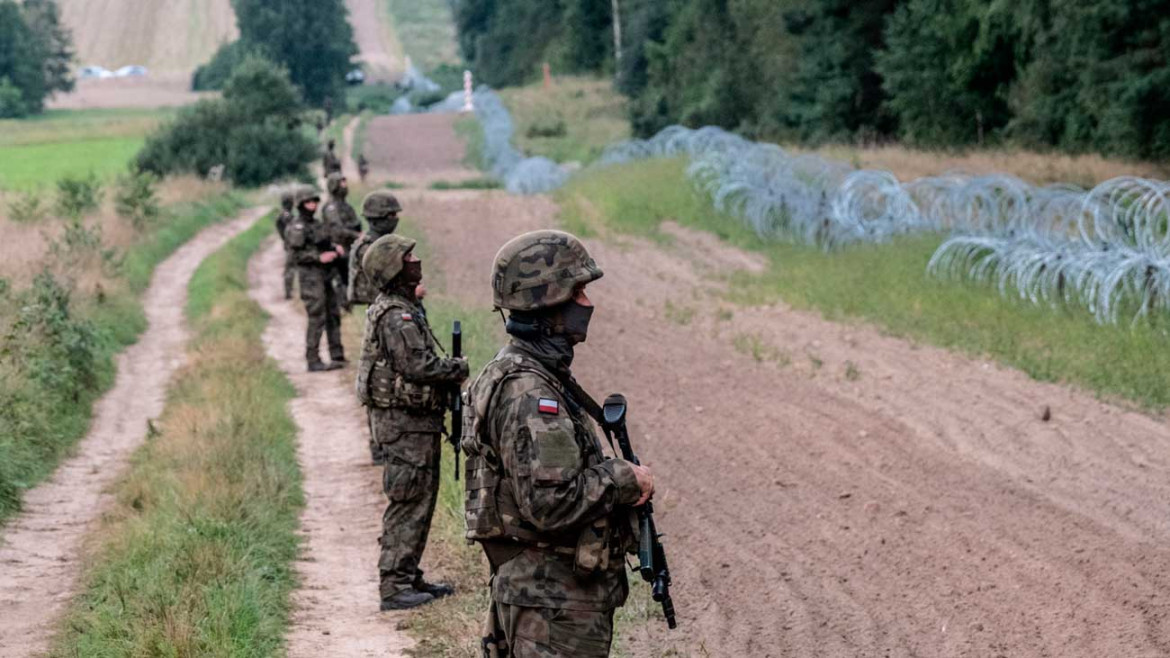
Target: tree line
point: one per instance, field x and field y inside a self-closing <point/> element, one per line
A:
<point x="36" y="56"/>
<point x="1090" y="75"/>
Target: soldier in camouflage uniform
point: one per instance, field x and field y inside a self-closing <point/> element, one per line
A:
<point x="381" y="212"/>
<point x="345" y="228"/>
<point x="282" y="221"/>
<point x="406" y="386"/>
<point x="313" y="252"/>
<point x="553" y="514"/>
<point x="329" y="161"/>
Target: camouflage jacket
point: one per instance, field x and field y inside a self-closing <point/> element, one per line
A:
<point x="361" y="289"/>
<point x="398" y="354"/>
<point x="307" y="239"/>
<point x="555" y="492"/>
<point x="282" y="221"/>
<point x="343" y="222"/>
<point x="330" y="162"/>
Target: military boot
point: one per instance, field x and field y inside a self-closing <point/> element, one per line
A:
<point x="437" y="590"/>
<point x="318" y="366"/>
<point x="406" y="599"/>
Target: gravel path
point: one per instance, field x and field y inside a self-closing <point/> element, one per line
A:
<point x="41" y="552"/>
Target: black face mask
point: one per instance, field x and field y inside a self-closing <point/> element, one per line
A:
<point x="383" y="226"/>
<point x="341" y="192"/>
<point x="575" y="320"/>
<point x="412" y="273"/>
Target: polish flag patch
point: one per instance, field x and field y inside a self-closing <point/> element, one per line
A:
<point x="407" y="317"/>
<point x="547" y="406"/>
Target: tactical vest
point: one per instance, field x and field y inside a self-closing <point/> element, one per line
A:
<point x="377" y="383"/>
<point x="490" y="510"/>
<point x="361" y="288"/>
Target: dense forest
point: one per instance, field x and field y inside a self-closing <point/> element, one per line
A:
<point x="1090" y="75"/>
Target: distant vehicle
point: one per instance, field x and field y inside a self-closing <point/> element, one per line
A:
<point x="133" y="71"/>
<point x="94" y="72"/>
<point x="355" y="77"/>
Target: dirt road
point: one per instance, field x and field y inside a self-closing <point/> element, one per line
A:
<point x="40" y="551"/>
<point x="336" y="608"/>
<point x="377" y="44"/>
<point x="829" y="491"/>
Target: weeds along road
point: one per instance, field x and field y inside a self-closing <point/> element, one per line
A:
<point x="829" y="491"/>
<point x="335" y="611"/>
<point x="41" y="549"/>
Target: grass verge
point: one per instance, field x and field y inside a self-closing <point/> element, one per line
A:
<point x="572" y="121"/>
<point x="63" y="335"/>
<point x="887" y="285"/>
<point x="196" y="557"/>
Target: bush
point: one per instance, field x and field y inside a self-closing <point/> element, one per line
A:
<point x="136" y="199"/>
<point x="77" y="196"/>
<point x="213" y="75"/>
<point x="11" y="100"/>
<point x="254" y="131"/>
<point x="548" y="127"/>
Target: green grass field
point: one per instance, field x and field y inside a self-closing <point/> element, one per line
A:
<point x="38" y="151"/>
<point x="887" y="286"/>
<point x="572" y="121"/>
<point x="196" y="557"/>
<point x="426" y="31"/>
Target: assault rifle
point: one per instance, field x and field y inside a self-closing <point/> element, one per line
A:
<point x="456" y="435"/>
<point x="651" y="554"/>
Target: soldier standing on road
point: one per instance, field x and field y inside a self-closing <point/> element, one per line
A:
<point x="363" y="167"/>
<point x="553" y="515"/>
<point x="329" y="161"/>
<point x="406" y="386"/>
<point x="282" y="221"/>
<point x="314" y="253"/>
<point x="344" y="227"/>
<point x="381" y="212"/>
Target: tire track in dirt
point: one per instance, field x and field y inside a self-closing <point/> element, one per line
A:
<point x="41" y="552"/>
<point x="917" y="507"/>
<point x="335" y="610"/>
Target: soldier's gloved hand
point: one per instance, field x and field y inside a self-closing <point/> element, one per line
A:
<point x="645" y="481"/>
<point x="328" y="257"/>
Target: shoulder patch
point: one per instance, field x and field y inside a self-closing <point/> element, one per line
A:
<point x="407" y="317"/>
<point x="549" y="406"/>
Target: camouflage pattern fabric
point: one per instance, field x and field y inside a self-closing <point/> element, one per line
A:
<point x="408" y="440"/>
<point x="341" y="218"/>
<point x="541" y="269"/>
<point x="306" y="239"/>
<point x="290" y="271"/>
<point x="519" y="632"/>
<point x="410" y="480"/>
<point x="361" y="290"/>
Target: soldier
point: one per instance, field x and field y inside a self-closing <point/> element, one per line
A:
<point x="406" y="386"/>
<point x="329" y="160"/>
<point x="282" y="221"/>
<point x="313" y="253"/>
<point x="363" y="167"/>
<point x="552" y="513"/>
<point x="344" y="227"/>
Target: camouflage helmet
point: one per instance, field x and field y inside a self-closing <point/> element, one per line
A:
<point x="539" y="270"/>
<point x="333" y="182"/>
<point x="305" y="193"/>
<point x="380" y="204"/>
<point x="383" y="259"/>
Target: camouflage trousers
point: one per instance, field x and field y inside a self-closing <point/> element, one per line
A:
<point x="410" y="479"/>
<point x="324" y="311"/>
<point x="518" y="632"/>
<point x="290" y="277"/>
<point x="341" y="279"/>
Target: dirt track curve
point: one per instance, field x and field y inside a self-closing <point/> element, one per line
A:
<point x="335" y="610"/>
<point x="40" y="550"/>
<point x="843" y="493"/>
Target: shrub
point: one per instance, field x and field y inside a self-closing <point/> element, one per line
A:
<point x="28" y="207"/>
<point x="77" y="196"/>
<point x="213" y="75"/>
<point x="548" y="127"/>
<point x="11" y="100"/>
<point x="136" y="198"/>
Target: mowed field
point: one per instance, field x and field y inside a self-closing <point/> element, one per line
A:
<point x="167" y="36"/>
